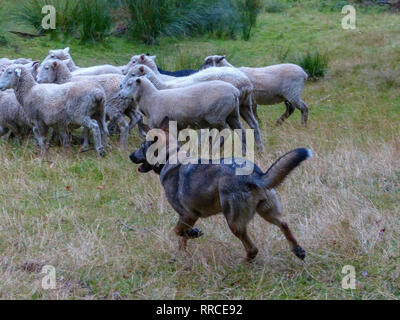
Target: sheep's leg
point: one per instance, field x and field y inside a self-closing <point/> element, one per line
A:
<point x="137" y="119"/>
<point x="85" y="138"/>
<point x="124" y="131"/>
<point x="302" y="106"/>
<point x="94" y="127"/>
<point x="234" y="122"/>
<point x="40" y="134"/>
<point x="64" y="138"/>
<point x="289" y="111"/>
<point x="254" y="107"/>
<point x="248" y="116"/>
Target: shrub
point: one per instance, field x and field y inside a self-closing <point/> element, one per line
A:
<point x="88" y="20"/>
<point x="249" y="11"/>
<point x="95" y="18"/>
<point x="314" y="63"/>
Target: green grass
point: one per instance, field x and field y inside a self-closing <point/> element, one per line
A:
<point x="72" y="210"/>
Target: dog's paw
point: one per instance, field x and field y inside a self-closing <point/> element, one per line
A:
<point x="193" y="233"/>
<point x="299" y="252"/>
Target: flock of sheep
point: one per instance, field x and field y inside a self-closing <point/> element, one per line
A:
<point x="57" y="96"/>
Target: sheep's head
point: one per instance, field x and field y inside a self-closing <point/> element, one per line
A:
<point x="130" y="88"/>
<point x="10" y="77"/>
<point x="214" y="61"/>
<point x="140" y="59"/>
<point x="139" y="71"/>
<point x="60" y="54"/>
<point x="47" y="72"/>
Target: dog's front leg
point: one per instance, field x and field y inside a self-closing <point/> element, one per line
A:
<point x="184" y="229"/>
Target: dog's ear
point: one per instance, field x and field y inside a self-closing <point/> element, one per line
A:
<point x="164" y="126"/>
<point x="66" y="50"/>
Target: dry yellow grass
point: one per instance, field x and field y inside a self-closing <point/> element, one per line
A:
<point x="108" y="230"/>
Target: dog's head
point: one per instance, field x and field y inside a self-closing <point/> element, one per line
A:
<point x="141" y="155"/>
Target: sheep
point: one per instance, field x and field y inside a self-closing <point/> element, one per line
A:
<point x="148" y="61"/>
<point x="54" y="71"/>
<point x="63" y="54"/>
<point x="13" y="119"/>
<point x="233" y="76"/>
<point x="58" y="106"/>
<point x="272" y="85"/>
<point x="188" y="106"/>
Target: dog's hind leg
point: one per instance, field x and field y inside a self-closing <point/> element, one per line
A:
<point x="270" y="210"/>
<point x="238" y="215"/>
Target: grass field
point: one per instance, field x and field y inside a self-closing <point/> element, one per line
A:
<point x="108" y="230"/>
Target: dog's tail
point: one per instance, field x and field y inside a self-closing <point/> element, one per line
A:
<point x="283" y="166"/>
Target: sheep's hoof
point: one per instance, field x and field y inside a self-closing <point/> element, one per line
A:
<point x="299" y="252"/>
<point x="193" y="233"/>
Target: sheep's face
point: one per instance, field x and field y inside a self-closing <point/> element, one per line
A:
<point x="130" y="88"/>
<point x="47" y="72"/>
<point x="213" y="61"/>
<point x="10" y="76"/>
<point x="140" y="59"/>
<point x="59" y="54"/>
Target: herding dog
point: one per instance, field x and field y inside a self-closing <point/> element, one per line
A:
<point x="202" y="190"/>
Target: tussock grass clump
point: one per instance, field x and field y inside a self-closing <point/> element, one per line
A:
<point x="87" y="20"/>
<point x="314" y="63"/>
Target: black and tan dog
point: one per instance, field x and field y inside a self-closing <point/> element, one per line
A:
<point x="200" y="191"/>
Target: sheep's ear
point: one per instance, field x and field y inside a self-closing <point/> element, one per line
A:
<point x="164" y="126"/>
<point x="18" y="72"/>
<point x="66" y="50"/>
<point x="35" y="65"/>
<point x="153" y="58"/>
<point x="138" y="81"/>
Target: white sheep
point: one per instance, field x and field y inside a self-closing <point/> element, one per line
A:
<point x="63" y="54"/>
<point x="13" y="119"/>
<point x="58" y="106"/>
<point x="148" y="61"/>
<point x="56" y="71"/>
<point x="272" y="85"/>
<point x="230" y="75"/>
<point x="188" y="106"/>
